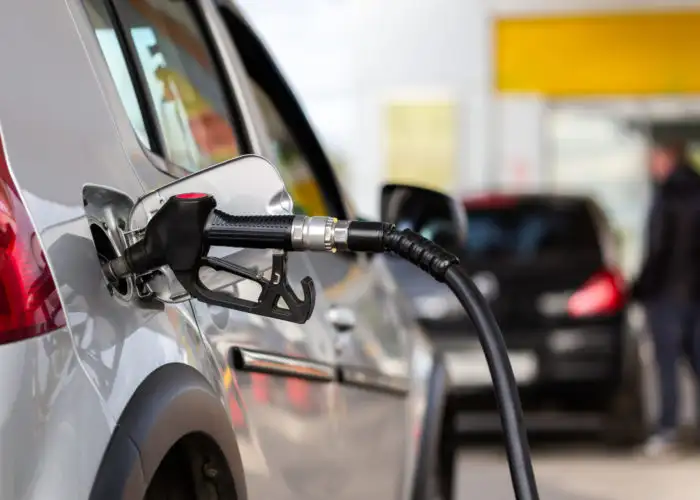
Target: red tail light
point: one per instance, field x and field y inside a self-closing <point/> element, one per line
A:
<point x="602" y="294"/>
<point x="29" y="303"/>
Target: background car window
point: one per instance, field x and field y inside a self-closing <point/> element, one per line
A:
<point x="529" y="230"/>
<point x="290" y="161"/>
<point x="116" y="61"/>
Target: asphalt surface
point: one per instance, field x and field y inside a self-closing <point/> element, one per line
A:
<point x="579" y="468"/>
<point x="581" y="471"/>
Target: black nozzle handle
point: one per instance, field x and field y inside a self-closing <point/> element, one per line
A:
<point x="253" y="231"/>
<point x="180" y="234"/>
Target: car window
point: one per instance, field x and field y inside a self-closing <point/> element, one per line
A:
<point x="291" y="162"/>
<point x="118" y="67"/>
<point x="181" y="78"/>
<point x="527" y="230"/>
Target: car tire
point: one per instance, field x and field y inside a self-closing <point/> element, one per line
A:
<point x="443" y="481"/>
<point x="445" y="473"/>
<point x="435" y="488"/>
<point x="172" y="481"/>
<point x="626" y="424"/>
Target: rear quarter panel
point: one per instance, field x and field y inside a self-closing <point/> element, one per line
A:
<point x="59" y="133"/>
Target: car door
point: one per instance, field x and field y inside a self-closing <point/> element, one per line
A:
<point x="371" y="339"/>
<point x="280" y="376"/>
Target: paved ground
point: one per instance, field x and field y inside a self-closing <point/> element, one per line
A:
<point x="582" y="472"/>
<point x="576" y="468"/>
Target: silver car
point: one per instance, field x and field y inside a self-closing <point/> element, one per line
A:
<point x="109" y="394"/>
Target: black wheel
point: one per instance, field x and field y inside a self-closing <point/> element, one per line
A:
<point x="194" y="469"/>
<point x="443" y="485"/>
<point x="626" y="424"/>
<point x="434" y="489"/>
<point x="173" y="480"/>
<point x="437" y="484"/>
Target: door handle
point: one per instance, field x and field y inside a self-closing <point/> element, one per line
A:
<point x="342" y="318"/>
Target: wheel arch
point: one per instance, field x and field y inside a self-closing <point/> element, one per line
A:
<point x="172" y="402"/>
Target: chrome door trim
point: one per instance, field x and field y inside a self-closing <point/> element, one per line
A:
<point x="271" y="363"/>
<point x="372" y="380"/>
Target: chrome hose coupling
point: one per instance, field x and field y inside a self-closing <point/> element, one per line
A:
<point x="320" y="234"/>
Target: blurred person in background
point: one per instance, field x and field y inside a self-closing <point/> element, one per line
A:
<point x="669" y="282"/>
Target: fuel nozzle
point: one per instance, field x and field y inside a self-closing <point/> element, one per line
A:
<point x="295" y="233"/>
<point x="186" y="226"/>
<point x="179" y="236"/>
<point x="173" y="237"/>
<point x="282" y="232"/>
<point x="116" y="269"/>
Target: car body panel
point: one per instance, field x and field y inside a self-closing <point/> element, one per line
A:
<point x="59" y="133"/>
<point x="53" y="423"/>
<point x="63" y="126"/>
<point x="374" y="419"/>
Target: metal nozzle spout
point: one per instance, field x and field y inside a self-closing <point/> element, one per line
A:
<point x="116" y="269"/>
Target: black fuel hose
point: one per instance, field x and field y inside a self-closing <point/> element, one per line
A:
<point x="505" y="387"/>
<point x="445" y="267"/>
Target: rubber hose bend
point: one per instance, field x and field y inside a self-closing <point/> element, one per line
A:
<point x="445" y="267"/>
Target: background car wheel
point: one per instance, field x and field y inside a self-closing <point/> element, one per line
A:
<point x="443" y="481"/>
<point x="626" y="426"/>
<point x="627" y="422"/>
<point x="435" y="487"/>
<point x="443" y="484"/>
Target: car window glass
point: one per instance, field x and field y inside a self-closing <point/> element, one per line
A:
<point x="116" y="61"/>
<point x="291" y="162"/>
<point x="182" y="80"/>
<point x="530" y="230"/>
<point x="189" y="101"/>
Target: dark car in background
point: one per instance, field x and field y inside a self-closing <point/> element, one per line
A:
<point x="546" y="265"/>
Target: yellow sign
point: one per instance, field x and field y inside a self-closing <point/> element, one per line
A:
<point x="422" y="143"/>
<point x="307" y="197"/>
<point x="599" y="55"/>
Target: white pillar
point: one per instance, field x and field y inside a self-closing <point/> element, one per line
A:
<point x="520" y="143"/>
<point x="441" y="47"/>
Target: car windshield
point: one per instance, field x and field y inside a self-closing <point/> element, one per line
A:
<point x="526" y="230"/>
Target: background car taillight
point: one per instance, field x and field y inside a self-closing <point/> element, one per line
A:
<point x="29" y="302"/>
<point x="602" y="294"/>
